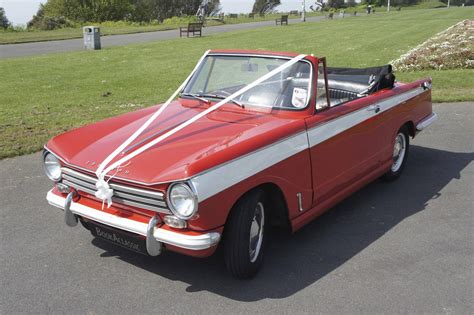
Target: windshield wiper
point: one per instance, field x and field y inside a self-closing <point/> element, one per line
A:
<point x="196" y="96"/>
<point x="221" y="97"/>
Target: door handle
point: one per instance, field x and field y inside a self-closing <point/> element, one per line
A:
<point x="374" y="108"/>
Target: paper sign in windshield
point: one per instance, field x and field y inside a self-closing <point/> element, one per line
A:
<point x="299" y="97"/>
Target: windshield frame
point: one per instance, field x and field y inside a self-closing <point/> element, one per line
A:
<point x="310" y="88"/>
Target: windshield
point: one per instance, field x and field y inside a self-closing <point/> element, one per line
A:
<point x="221" y="76"/>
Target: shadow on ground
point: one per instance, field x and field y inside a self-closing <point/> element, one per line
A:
<point x="297" y="261"/>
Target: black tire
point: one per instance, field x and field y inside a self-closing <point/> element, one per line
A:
<point x="395" y="172"/>
<point x="237" y="248"/>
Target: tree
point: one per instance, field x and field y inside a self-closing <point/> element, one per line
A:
<point x="59" y="13"/>
<point x="212" y="7"/>
<point x="336" y="4"/>
<point x="4" y="23"/>
<point x="265" y="6"/>
<point x="351" y="3"/>
<point x="459" y="2"/>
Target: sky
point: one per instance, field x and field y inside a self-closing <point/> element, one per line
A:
<point x="21" y="11"/>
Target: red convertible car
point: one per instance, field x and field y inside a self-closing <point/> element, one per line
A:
<point x="254" y="139"/>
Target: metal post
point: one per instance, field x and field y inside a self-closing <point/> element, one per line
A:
<point x="388" y="6"/>
<point x="449" y="2"/>
<point x="303" y="11"/>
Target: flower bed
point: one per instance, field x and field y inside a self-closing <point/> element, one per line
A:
<point x="453" y="48"/>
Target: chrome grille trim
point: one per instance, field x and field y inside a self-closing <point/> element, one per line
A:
<point x="131" y="196"/>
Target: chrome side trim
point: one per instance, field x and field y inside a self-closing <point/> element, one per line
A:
<point x="325" y="131"/>
<point x="192" y="242"/>
<point x="226" y="175"/>
<point x="427" y="121"/>
<point x="300" y="201"/>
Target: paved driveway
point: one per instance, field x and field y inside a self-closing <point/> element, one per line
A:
<point x="41" y="48"/>
<point x="402" y="247"/>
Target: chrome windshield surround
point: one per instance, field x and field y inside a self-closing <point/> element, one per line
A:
<point x="126" y="195"/>
<point x="256" y="55"/>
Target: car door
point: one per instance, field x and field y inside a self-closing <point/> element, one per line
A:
<point x="344" y="141"/>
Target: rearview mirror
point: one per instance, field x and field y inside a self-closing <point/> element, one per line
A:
<point x="249" y="67"/>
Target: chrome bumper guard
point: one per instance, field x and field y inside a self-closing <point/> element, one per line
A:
<point x="154" y="236"/>
<point x="427" y="121"/>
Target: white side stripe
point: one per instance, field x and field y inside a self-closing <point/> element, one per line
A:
<point x="215" y="180"/>
<point x="325" y="131"/>
<point x="224" y="176"/>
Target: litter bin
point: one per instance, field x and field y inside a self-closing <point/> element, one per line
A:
<point x="91" y="37"/>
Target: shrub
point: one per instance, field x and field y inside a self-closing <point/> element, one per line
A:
<point x="183" y="20"/>
<point x="47" y="23"/>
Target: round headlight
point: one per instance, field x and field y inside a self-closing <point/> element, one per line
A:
<point x="52" y="167"/>
<point x="182" y="201"/>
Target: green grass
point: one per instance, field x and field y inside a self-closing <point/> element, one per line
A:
<point x="16" y="37"/>
<point x="46" y="95"/>
<point x="430" y="4"/>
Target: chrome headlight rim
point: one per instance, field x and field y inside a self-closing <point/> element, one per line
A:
<point x="190" y="189"/>
<point x="47" y="154"/>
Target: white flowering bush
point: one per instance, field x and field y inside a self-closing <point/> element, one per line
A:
<point x="453" y="48"/>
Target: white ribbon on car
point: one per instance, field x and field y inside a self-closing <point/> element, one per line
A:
<point x="104" y="192"/>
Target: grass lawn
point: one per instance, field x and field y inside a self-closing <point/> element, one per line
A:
<point x="9" y="37"/>
<point x="45" y="95"/>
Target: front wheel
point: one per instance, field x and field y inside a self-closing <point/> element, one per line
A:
<point x="245" y="236"/>
<point x="400" y="154"/>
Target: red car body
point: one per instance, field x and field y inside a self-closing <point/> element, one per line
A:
<point x="308" y="160"/>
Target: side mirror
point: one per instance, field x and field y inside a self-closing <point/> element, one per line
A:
<point x="426" y="85"/>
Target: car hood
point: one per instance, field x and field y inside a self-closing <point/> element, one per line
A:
<point x="218" y="137"/>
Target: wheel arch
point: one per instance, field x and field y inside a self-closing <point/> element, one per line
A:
<point x="411" y="128"/>
<point x="276" y="202"/>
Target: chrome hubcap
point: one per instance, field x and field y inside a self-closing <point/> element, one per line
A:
<point x="399" y="152"/>
<point x="256" y="232"/>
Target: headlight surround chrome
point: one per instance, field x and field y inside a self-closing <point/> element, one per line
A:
<point x="52" y="167"/>
<point x="182" y="200"/>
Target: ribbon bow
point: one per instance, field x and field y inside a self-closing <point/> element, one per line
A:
<point x="104" y="192"/>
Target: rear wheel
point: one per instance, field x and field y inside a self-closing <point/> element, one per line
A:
<point x="400" y="154"/>
<point x="245" y="236"/>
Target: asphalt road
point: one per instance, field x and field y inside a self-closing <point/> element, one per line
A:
<point x="41" y="48"/>
<point x="402" y="247"/>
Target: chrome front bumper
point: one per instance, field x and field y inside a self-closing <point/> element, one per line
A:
<point x="155" y="236"/>
<point x="427" y="121"/>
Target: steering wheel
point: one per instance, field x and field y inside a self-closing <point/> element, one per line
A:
<point x="222" y="93"/>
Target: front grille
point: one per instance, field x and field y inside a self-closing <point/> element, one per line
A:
<point x="126" y="195"/>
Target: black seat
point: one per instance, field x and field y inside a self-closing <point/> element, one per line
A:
<point x="351" y="83"/>
<point x="363" y="80"/>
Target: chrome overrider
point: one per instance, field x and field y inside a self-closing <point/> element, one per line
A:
<point x="154" y="236"/>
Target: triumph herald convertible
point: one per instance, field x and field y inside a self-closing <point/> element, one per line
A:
<point x="250" y="140"/>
